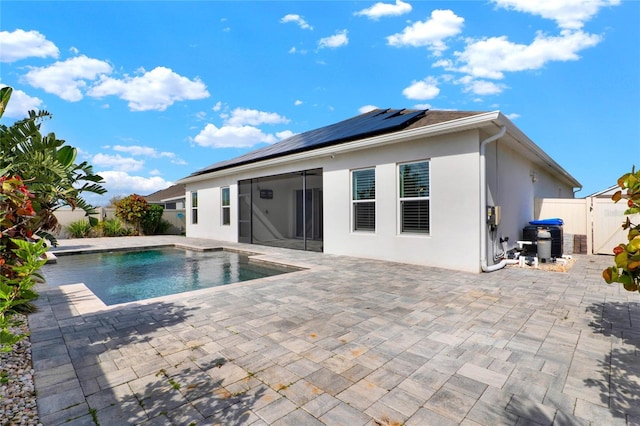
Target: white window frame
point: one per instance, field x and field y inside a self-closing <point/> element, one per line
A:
<point x="355" y="201"/>
<point x="224" y="207"/>
<point x="194" y="207"/>
<point x="403" y="199"/>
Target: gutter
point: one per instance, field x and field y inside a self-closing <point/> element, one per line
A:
<point x="483" y="206"/>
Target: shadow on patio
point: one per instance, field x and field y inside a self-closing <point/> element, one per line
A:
<point x="618" y="377"/>
<point x="132" y="364"/>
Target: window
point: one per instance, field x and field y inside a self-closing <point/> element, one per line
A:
<point x="226" y="206"/>
<point x="194" y="208"/>
<point x="414" y="197"/>
<point x="363" y="199"/>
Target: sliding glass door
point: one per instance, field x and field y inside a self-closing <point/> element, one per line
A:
<point x="274" y="212"/>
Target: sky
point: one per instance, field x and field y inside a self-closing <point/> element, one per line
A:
<point x="151" y="91"/>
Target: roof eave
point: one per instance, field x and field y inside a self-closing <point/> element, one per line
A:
<point x="495" y="118"/>
<point x="528" y="144"/>
<point x="380" y="140"/>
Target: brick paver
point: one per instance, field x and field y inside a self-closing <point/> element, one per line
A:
<point x="345" y="341"/>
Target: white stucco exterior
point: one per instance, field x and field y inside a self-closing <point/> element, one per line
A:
<point x="517" y="172"/>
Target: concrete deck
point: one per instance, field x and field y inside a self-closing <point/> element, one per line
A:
<point x="346" y="342"/>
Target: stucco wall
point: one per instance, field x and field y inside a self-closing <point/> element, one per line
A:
<point x="209" y="200"/>
<point x="454" y="224"/>
<point x="454" y="233"/>
<point x="513" y="180"/>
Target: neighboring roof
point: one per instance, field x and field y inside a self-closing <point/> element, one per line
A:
<point x="605" y="193"/>
<point x="372" y="123"/>
<point x="174" y="191"/>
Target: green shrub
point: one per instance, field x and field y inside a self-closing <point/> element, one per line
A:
<point x="163" y="226"/>
<point x="113" y="228"/>
<point x="152" y="219"/>
<point x="627" y="255"/>
<point x="79" y="229"/>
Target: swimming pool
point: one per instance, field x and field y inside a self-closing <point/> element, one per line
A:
<point x="128" y="276"/>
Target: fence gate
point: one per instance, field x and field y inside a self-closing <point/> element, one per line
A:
<point x="607" y="218"/>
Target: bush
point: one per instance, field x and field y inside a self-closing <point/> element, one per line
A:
<point x="16" y="285"/>
<point x="627" y="255"/>
<point x="133" y="210"/>
<point x="79" y="229"/>
<point x="113" y="228"/>
<point x="152" y="219"/>
<point x="163" y="227"/>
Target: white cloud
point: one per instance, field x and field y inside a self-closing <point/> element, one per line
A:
<point x="146" y="151"/>
<point x="481" y="87"/>
<point x="366" y="108"/>
<point x="422" y="90"/>
<point x="296" y="19"/>
<point x="422" y="106"/>
<point x="154" y="90"/>
<point x="67" y="78"/>
<point x="179" y="162"/>
<point x="513" y="116"/>
<point x="241" y="116"/>
<point x="217" y="106"/>
<point x="568" y="14"/>
<point x="491" y="57"/>
<point x="120" y="182"/>
<point x="380" y="10"/>
<point x="430" y="33"/>
<point x="298" y="102"/>
<point x="337" y="40"/>
<point x="232" y="136"/>
<point x="284" y="134"/>
<point x="117" y="162"/>
<point x="20" y="104"/>
<point x="21" y="44"/>
<point x="294" y="50"/>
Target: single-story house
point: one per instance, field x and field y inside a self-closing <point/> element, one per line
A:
<point x="171" y="198"/>
<point x="436" y="188"/>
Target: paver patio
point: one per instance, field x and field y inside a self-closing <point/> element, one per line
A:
<point x="345" y="342"/>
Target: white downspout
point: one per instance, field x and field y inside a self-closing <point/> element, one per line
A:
<point x="483" y="207"/>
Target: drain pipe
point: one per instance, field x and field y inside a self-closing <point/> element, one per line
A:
<point x="483" y="206"/>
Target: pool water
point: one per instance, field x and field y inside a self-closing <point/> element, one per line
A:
<point x="128" y="276"/>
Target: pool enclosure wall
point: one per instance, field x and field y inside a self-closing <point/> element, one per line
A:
<point x="411" y="197"/>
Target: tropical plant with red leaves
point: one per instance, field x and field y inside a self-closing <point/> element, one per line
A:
<point x="133" y="209"/>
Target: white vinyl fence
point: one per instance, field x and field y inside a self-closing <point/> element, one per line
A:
<point x="596" y="220"/>
<point x="66" y="216"/>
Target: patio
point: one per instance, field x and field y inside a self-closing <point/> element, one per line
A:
<point x="347" y="341"/>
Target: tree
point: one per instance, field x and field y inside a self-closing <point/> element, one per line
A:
<point x="133" y="210"/>
<point x="48" y="168"/>
<point x="113" y="200"/>
<point x="627" y="255"/>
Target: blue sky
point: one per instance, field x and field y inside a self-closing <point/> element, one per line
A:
<point x="151" y="91"/>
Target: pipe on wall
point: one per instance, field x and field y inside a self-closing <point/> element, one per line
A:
<point x="483" y="205"/>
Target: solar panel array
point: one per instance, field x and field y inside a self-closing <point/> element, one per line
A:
<point x="373" y="123"/>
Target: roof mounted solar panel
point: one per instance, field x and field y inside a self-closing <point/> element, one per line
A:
<point x="369" y="124"/>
